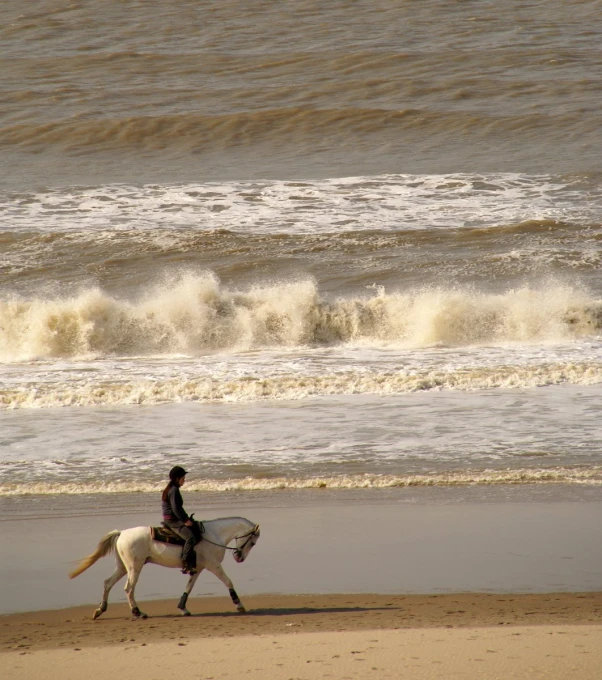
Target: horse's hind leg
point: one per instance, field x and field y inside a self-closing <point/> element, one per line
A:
<point x="133" y="575"/>
<point x="120" y="572"/>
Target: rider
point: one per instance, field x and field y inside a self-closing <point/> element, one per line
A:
<point x="176" y="518"/>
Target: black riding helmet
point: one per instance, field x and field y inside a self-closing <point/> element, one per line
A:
<point x="176" y="473"/>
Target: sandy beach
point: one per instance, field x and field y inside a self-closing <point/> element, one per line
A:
<point x="340" y="636"/>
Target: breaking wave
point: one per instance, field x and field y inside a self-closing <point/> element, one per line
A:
<point x="195" y="315"/>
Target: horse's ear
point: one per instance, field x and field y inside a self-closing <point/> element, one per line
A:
<point x="256" y="529"/>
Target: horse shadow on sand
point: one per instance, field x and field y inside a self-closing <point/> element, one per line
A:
<point x="280" y="611"/>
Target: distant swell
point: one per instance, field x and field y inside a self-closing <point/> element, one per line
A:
<point x="557" y="475"/>
<point x="195" y="314"/>
<point x="195" y="132"/>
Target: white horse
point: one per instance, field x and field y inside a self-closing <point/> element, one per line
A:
<point x="134" y="547"/>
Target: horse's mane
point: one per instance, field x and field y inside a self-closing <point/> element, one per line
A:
<point x="224" y="519"/>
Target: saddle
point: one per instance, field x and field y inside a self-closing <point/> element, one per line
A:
<point x="164" y="534"/>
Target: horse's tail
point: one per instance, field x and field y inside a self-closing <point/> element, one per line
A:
<point x="106" y="546"/>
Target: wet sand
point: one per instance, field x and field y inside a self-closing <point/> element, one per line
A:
<point x="303" y="636"/>
<point x="404" y="541"/>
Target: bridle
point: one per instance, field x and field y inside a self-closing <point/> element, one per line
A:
<point x="248" y="536"/>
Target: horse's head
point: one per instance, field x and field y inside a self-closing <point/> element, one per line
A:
<point x="244" y="543"/>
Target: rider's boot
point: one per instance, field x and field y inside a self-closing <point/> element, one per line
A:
<point x="188" y="569"/>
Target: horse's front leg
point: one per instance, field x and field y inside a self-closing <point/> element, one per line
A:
<point x="186" y="593"/>
<point x="224" y="578"/>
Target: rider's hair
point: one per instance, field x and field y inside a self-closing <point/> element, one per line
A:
<point x="166" y="491"/>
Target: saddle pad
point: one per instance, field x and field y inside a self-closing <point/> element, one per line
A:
<point x="165" y="536"/>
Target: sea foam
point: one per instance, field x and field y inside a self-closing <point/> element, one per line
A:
<point x="249" y="388"/>
<point x="590" y="475"/>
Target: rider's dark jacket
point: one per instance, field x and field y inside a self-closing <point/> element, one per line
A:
<point x="173" y="507"/>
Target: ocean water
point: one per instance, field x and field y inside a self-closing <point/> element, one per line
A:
<point x="299" y="246"/>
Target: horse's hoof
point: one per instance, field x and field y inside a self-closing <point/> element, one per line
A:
<point x="102" y="608"/>
<point x="185" y="612"/>
<point x="137" y="614"/>
<point x="241" y="609"/>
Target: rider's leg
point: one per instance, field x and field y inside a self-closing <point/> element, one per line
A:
<point x="188" y="554"/>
